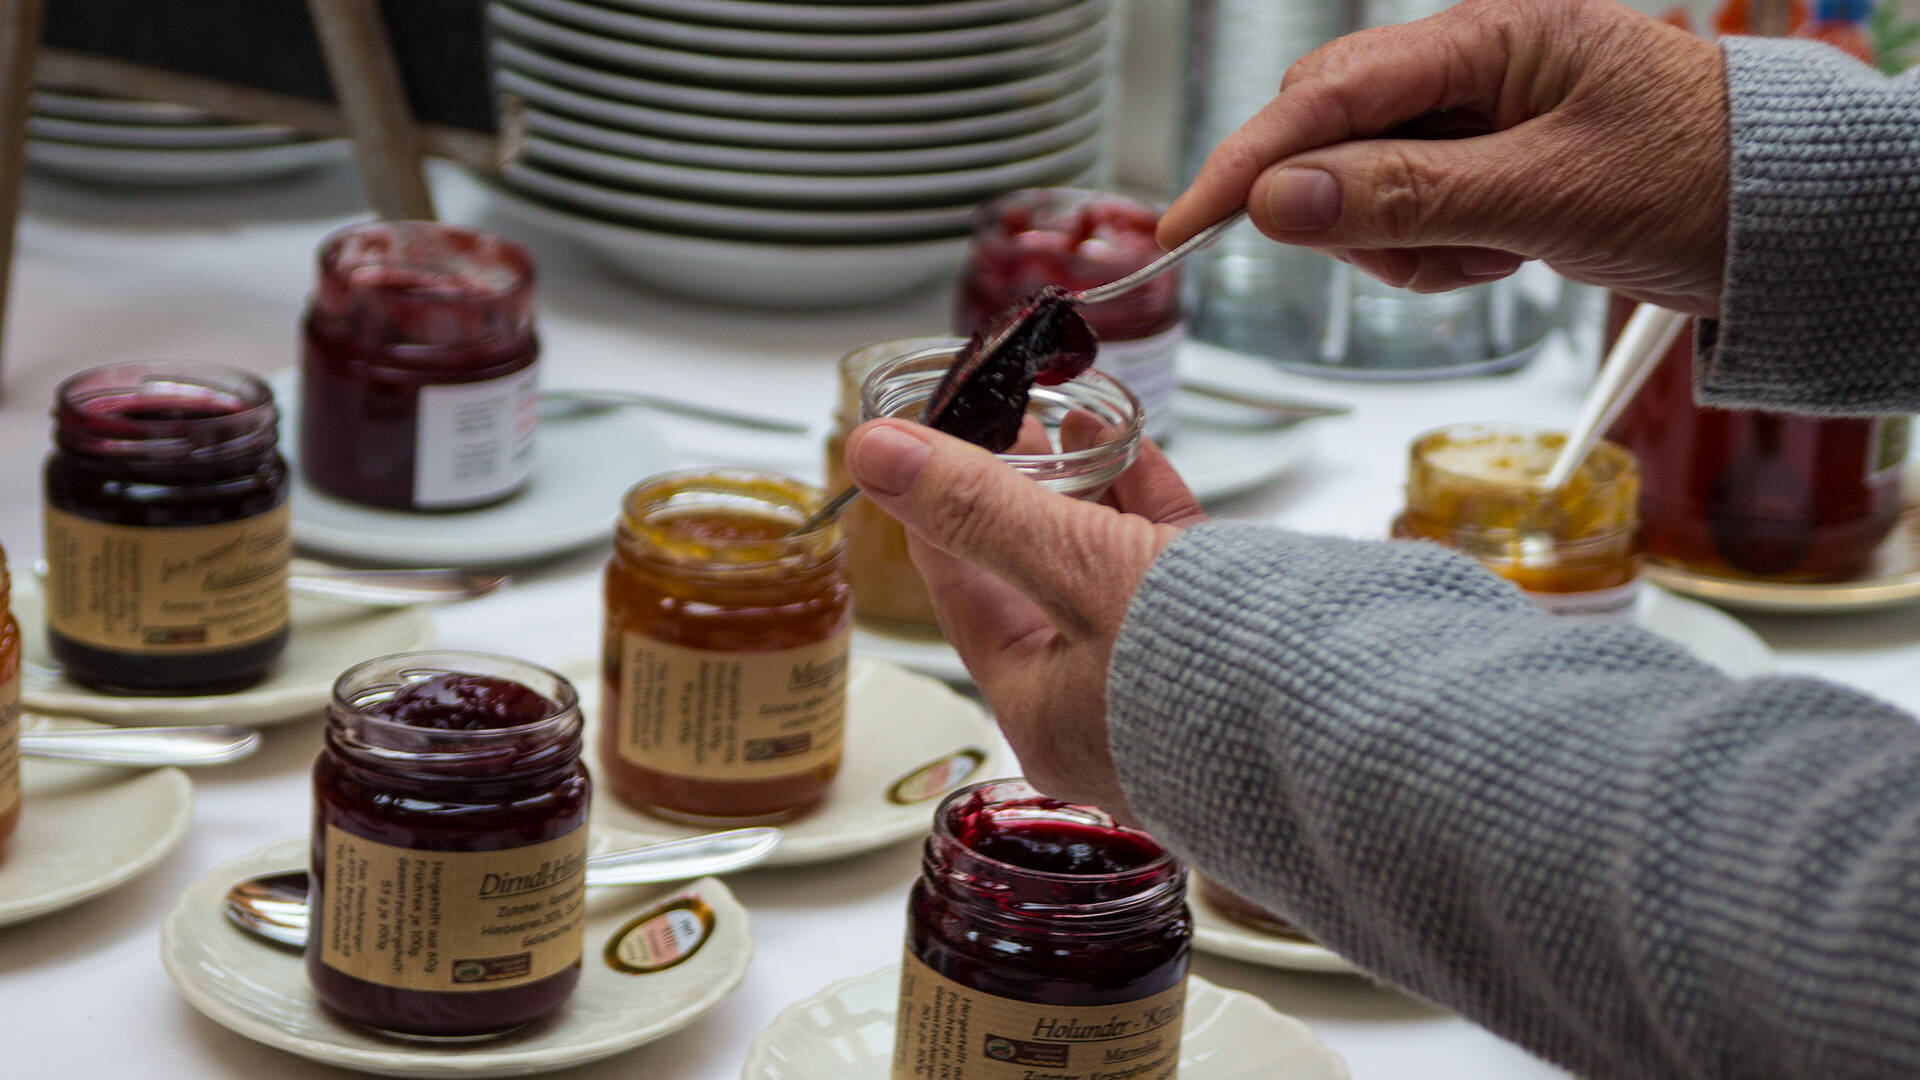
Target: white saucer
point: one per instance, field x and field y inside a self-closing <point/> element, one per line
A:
<point x="124" y="165"/>
<point x="811" y="16"/>
<point x="1706" y="632"/>
<point x="113" y="110"/>
<point x="1222" y="449"/>
<point x="583" y="465"/>
<point x="897" y="724"/>
<point x="160" y="136"/>
<point x="328" y="638"/>
<point x="1214" y="933"/>
<point x="845" y="1032"/>
<point x="261" y="991"/>
<point x="86" y="829"/>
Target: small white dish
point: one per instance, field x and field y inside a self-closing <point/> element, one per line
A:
<point x="112" y="110"/>
<point x="798" y="276"/>
<point x="909" y="741"/>
<point x="1707" y="632"/>
<point x="825" y="193"/>
<point x="329" y="636"/>
<point x="845" y="1032"/>
<point x="85" y="830"/>
<point x="261" y="991"/>
<point x="634" y="90"/>
<point x="159" y="136"/>
<point x="583" y="464"/>
<point x="1221" y="449"/>
<point x="814" y="45"/>
<point x="784" y="130"/>
<point x="123" y="165"/>
<point x="864" y="75"/>
<point x="1214" y="933"/>
<point x="848" y="17"/>
<point x="760" y="159"/>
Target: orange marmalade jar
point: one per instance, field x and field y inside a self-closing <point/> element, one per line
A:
<point x="725" y="654"/>
<point x="9" y="708"/>
<point x="1575" y="551"/>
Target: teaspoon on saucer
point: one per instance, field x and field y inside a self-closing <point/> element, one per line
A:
<point x="273" y="907"/>
<point x="211" y="745"/>
<point x="381" y="588"/>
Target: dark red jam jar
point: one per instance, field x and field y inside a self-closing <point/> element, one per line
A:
<point x="1079" y="239"/>
<point x="166" y="529"/>
<point x="418" y="382"/>
<point x="449" y="842"/>
<point x="1042" y="939"/>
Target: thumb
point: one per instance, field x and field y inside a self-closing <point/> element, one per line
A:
<point x="1062" y="553"/>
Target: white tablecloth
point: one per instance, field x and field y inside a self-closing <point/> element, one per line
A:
<point x="107" y="275"/>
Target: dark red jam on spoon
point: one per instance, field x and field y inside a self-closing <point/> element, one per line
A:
<point x="449" y="838"/>
<point x="983" y="397"/>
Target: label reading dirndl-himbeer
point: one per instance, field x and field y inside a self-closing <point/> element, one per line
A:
<point x="452" y="920"/>
<point x="474" y="441"/>
<point x="730" y="715"/>
<point x="946" y="1031"/>
<point x="158" y="590"/>
<point x="9" y="743"/>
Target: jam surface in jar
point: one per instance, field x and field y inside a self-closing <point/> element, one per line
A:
<point x="450" y="783"/>
<point x="166" y="524"/>
<point x="1736" y="493"/>
<point x="9" y="710"/>
<point x="1477" y="489"/>
<point x="418" y="376"/>
<point x="725" y="649"/>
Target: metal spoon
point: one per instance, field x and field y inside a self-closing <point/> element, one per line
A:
<point x="273" y="907"/>
<point x="210" y="745"/>
<point x="380" y="588"/>
<point x="560" y="404"/>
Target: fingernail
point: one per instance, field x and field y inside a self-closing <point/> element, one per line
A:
<point x="888" y="460"/>
<point x="1304" y="199"/>
<point x="1485" y="262"/>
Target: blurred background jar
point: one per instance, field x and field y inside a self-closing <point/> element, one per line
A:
<point x="9" y="708"/>
<point x="1078" y="239"/>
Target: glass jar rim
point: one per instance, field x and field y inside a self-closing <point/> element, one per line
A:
<point x="342" y="701"/>
<point x="253" y="426"/>
<point x="1071" y="198"/>
<point x="509" y="255"/>
<point x="655" y="493"/>
<point x="1616" y="460"/>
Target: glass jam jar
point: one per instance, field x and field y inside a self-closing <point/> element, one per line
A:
<point x="1078" y="239"/>
<point x="725" y="652"/>
<point x="9" y="708"/>
<point x="1051" y="939"/>
<point x="1734" y="493"/>
<point x="418" y="382"/>
<point x="448" y="847"/>
<point x="1576" y="551"/>
<point x="166" y="529"/>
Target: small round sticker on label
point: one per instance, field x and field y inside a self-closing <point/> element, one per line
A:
<point x="937" y="777"/>
<point x="661" y="937"/>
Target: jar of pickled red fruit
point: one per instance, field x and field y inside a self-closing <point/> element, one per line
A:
<point x="166" y="529"/>
<point x="725" y="651"/>
<point x="448" y="847"/>
<point x="1739" y="493"/>
<point x="418" y="374"/>
<point x="1477" y="489"/>
<point x="9" y="708"/>
<point x="1081" y="456"/>
<point x="1043" y="938"/>
<point x="1078" y="239"/>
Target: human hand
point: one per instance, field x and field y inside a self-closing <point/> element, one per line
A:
<point x="1029" y="585"/>
<point x="1596" y="141"/>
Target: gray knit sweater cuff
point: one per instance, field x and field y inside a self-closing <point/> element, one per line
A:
<point x="1821" y="308"/>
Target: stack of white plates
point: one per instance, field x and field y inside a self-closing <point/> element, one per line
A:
<point x="116" y="141"/>
<point x="797" y="153"/>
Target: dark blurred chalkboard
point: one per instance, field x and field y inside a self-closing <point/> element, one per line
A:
<point x="270" y="45"/>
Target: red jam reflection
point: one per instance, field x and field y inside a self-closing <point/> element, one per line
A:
<point x="1077" y="240"/>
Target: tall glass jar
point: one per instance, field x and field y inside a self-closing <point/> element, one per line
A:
<point x="418" y="376"/>
<point x="166" y="529"/>
<point x="725" y="648"/>
<point x="1078" y="239"/>
<point x="1575" y="551"/>
<point x="449" y="843"/>
<point x="9" y="709"/>
<point x="1042" y="937"/>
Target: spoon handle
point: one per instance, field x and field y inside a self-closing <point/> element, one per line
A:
<point x="675" y="860"/>
<point x="560" y="403"/>
<point x="395" y="588"/>
<point x="213" y="745"/>
<point x="1160" y="265"/>
<point x="826" y="513"/>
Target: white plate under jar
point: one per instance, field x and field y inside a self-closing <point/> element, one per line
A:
<point x="931" y="15"/>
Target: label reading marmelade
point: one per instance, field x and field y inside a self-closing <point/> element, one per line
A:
<point x="150" y="589"/>
<point x="946" y="1031"/>
<point x="9" y="744"/>
<point x="474" y="441"/>
<point x="730" y="715"/>
<point x="453" y="920"/>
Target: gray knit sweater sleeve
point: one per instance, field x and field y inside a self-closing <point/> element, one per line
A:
<point x="1821" y="309"/>
<point x="1576" y="835"/>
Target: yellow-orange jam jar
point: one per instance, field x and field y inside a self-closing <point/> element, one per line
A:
<point x="1477" y="488"/>
<point x="725" y="649"/>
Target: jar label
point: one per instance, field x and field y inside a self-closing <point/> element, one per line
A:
<point x="453" y="920"/>
<point x="474" y="441"/>
<point x="9" y="743"/>
<point x="664" y="936"/>
<point x="946" y="1031"/>
<point x="161" y="589"/>
<point x="1147" y="366"/>
<point x="718" y="715"/>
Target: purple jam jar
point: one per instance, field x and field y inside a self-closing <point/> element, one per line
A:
<point x="448" y="848"/>
<point x="418" y="381"/>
